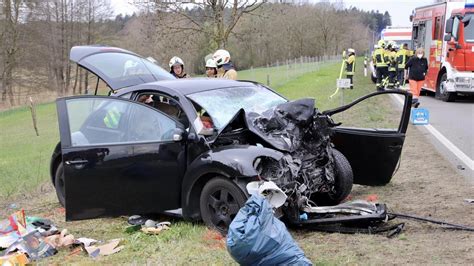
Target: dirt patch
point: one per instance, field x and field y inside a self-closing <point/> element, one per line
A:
<point x="425" y="185"/>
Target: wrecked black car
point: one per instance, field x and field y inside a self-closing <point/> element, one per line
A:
<point x="157" y="143"/>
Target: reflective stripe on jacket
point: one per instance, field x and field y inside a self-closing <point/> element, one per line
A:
<point x="112" y="118"/>
<point x="402" y="58"/>
<point x="393" y="61"/>
<point x="380" y="57"/>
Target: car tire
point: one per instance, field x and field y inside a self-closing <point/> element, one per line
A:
<point x="442" y="94"/>
<point x="342" y="183"/>
<point x="60" y="185"/>
<point x="220" y="201"/>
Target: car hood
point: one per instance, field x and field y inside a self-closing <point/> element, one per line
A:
<point x="282" y="127"/>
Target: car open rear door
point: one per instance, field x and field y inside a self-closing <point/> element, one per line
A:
<point x="372" y="134"/>
<point x="117" y="67"/>
<point x="119" y="157"/>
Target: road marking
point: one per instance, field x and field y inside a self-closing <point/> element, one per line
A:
<point x="446" y="142"/>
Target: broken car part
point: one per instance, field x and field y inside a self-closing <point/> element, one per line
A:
<point x="429" y="220"/>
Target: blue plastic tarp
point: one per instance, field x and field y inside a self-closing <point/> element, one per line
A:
<point x="256" y="237"/>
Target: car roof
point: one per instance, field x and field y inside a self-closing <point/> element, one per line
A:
<point x="192" y="85"/>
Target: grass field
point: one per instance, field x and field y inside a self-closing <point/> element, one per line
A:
<point x="24" y="156"/>
<point x="278" y="76"/>
<point x="24" y="161"/>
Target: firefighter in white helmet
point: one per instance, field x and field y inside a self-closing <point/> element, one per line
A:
<point x="211" y="68"/>
<point x="225" y="68"/>
<point x="177" y="68"/>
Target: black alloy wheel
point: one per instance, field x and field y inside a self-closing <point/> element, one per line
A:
<point x="220" y="202"/>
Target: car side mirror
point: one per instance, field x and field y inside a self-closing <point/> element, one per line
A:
<point x="178" y="134"/>
<point x="466" y="19"/>
<point x="449" y="25"/>
<point x="447" y="37"/>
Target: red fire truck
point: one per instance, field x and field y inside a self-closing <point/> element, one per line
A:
<point x="446" y="32"/>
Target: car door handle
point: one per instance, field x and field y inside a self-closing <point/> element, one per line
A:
<point x="395" y="147"/>
<point x="76" y="162"/>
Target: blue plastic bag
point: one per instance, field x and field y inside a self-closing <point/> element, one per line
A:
<point x="256" y="237"/>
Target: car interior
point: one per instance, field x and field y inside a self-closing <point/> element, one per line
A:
<point x="164" y="104"/>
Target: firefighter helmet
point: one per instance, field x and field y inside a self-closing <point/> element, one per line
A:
<point x="221" y="57"/>
<point x="381" y="43"/>
<point x="211" y="63"/>
<point x="176" y="61"/>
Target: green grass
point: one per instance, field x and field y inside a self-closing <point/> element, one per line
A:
<point x="24" y="163"/>
<point x="278" y="76"/>
<point x="24" y="157"/>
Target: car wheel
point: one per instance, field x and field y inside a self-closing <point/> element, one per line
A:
<point x="60" y="185"/>
<point x="220" y="201"/>
<point x="442" y="93"/>
<point x="342" y="185"/>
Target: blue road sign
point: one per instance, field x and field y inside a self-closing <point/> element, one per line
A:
<point x="420" y="116"/>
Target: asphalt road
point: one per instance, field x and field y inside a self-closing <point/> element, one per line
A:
<point x="454" y="121"/>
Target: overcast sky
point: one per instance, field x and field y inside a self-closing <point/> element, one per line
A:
<point x="400" y="10"/>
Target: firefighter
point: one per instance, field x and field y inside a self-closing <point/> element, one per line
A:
<point x="211" y="68"/>
<point x="392" y="64"/>
<point x="380" y="61"/>
<point x="402" y="58"/>
<point x="225" y="68"/>
<point x="177" y="68"/>
<point x="350" y="65"/>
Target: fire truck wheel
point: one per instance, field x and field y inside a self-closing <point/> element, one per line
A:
<point x="442" y="93"/>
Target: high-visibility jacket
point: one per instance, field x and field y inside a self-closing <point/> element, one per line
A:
<point x="402" y="58"/>
<point x="112" y="118"/>
<point x="392" y="55"/>
<point x="350" y="65"/>
<point x="380" y="58"/>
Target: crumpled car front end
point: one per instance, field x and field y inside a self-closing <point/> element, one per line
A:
<point x="308" y="172"/>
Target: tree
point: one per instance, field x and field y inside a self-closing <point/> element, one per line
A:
<point x="386" y="19"/>
<point x="215" y="18"/>
<point x="9" y="46"/>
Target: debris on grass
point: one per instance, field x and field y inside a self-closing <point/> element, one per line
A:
<point x="145" y="225"/>
<point x="25" y="239"/>
<point x="154" y="228"/>
<point x="109" y="248"/>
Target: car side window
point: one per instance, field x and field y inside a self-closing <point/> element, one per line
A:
<point x="97" y="121"/>
<point x="149" y="125"/>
